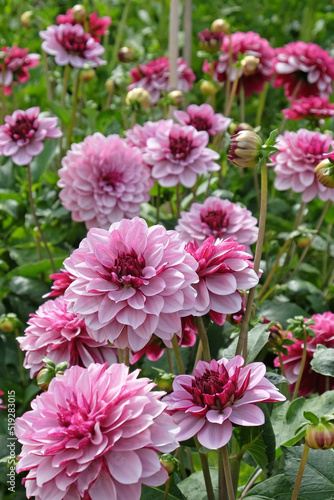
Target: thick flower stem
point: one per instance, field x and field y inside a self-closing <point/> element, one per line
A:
<point x="120" y="355"/>
<point x="222" y="491"/>
<point x="47" y="76"/>
<point x="32" y="205"/>
<point x="206" y="471"/>
<point x="3" y="96"/>
<point x="242" y="103"/>
<point x="233" y="92"/>
<point x="302" y="366"/>
<point x="261" y="104"/>
<point x="158" y="204"/>
<point x="74" y="110"/>
<point x="242" y="342"/>
<point x="178" y="357"/>
<point x="119" y="35"/>
<point x="199" y="353"/>
<point x="173" y="48"/>
<point x="178" y="201"/>
<point x="300" y="473"/>
<point x="167" y="489"/>
<point x="203" y="338"/>
<point x="65" y="83"/>
<point x="170" y="360"/>
<point x="187" y="28"/>
<point x="127" y="356"/>
<point x="223" y="456"/>
<point x="228" y="79"/>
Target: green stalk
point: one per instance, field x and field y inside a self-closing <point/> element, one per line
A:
<point x="178" y="357"/>
<point x="167" y="489"/>
<point x="262" y="101"/>
<point x="300" y="473"/>
<point x="274" y="268"/>
<point x="223" y="456"/>
<point x="178" y="201"/>
<point x="206" y="471"/>
<point x="203" y="338"/>
<point x="119" y="35"/>
<point x="187" y="28"/>
<point x="126" y="356"/>
<point x="222" y="491"/>
<point x="3" y="97"/>
<point x="233" y="92"/>
<point x="74" y="110"/>
<point x="242" y="103"/>
<point x="47" y="76"/>
<point x="302" y="366"/>
<point x="228" y="79"/>
<point x="66" y="77"/>
<point x="170" y="360"/>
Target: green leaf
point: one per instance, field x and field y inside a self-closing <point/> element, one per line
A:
<point x="309" y="415"/>
<point x="43" y="160"/>
<point x="193" y="487"/>
<point x="60" y="111"/>
<point x="257" y="339"/>
<point x="281" y="311"/>
<point x="150" y="493"/>
<point x="277" y="487"/>
<point x="33" y="269"/>
<point x="275" y="378"/>
<point x="323" y="361"/>
<point x="268" y="437"/>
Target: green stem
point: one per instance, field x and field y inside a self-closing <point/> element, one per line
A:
<point x="126" y="356"/>
<point x="74" y="110"/>
<point x="170" y="360"/>
<point x="222" y="491"/>
<point x="133" y="120"/>
<point x="47" y="77"/>
<point x="178" y="201"/>
<point x="279" y="354"/>
<point x="302" y="366"/>
<point x="206" y="471"/>
<point x="178" y="357"/>
<point x="242" y="103"/>
<point x="120" y="355"/>
<point x="261" y="104"/>
<point x="190" y="460"/>
<point x="66" y="77"/>
<point x="3" y="96"/>
<point x="274" y="268"/>
<point x="167" y="489"/>
<point x="187" y="28"/>
<point x="228" y="478"/>
<point x="119" y="35"/>
<point x="199" y="353"/>
<point x="228" y="79"/>
<point x="233" y="92"/>
<point x="203" y="338"/>
<point x="292" y="100"/>
<point x="300" y="473"/>
<point x="158" y="204"/>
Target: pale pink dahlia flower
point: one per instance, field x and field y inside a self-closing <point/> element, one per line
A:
<point x="23" y="133"/>
<point x="311" y="381"/>
<point x="299" y="153"/>
<point x="218" y="218"/>
<point x="94" y="434"/>
<point x="249" y="44"/>
<point x="312" y="108"/>
<point x="17" y="63"/>
<point x="96" y="26"/>
<point x="306" y="65"/>
<point x="138" y="135"/>
<point x="154" y="77"/>
<point x="103" y="180"/>
<point x="219" y="394"/>
<point x="60" y="335"/>
<point x="178" y="154"/>
<point x="224" y="268"/>
<point x="131" y="282"/>
<point x="203" y="117"/>
<point x="71" y="45"/>
<point x="61" y="281"/>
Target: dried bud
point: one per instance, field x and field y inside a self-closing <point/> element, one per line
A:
<point x="87" y="75"/>
<point x="325" y="172"/>
<point x="245" y="149"/>
<point x="110" y="86"/>
<point x="249" y="65"/>
<point x="138" y="97"/>
<point x="208" y="88"/>
<point x="79" y="12"/>
<point x="234" y="128"/>
<point x="126" y="54"/>
<point x="165" y="381"/>
<point x="320" y="436"/>
<point x="210" y="41"/>
<point x="8" y="322"/>
<point x="26" y="19"/>
<point x="220" y="26"/>
<point x="176" y="97"/>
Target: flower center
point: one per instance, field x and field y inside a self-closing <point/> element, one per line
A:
<point x="127" y="269"/>
<point x="23" y="129"/>
<point x="200" y="123"/>
<point x="110" y="180"/>
<point x="217" y="220"/>
<point x="180" y="147"/>
<point x="74" y="44"/>
<point x="78" y="423"/>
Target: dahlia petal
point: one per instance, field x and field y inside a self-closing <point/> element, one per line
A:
<point x="157" y="479"/>
<point x="189" y="425"/>
<point x="132" y="317"/>
<point x="247" y="415"/>
<point x="222" y="284"/>
<point x="103" y="488"/>
<point x="214" y="436"/>
<point x="126" y="468"/>
<point x="217" y="417"/>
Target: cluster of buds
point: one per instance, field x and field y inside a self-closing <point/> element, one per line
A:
<point x="50" y="370"/>
<point x="138" y="98"/>
<point x="301" y="328"/>
<point x="325" y="171"/>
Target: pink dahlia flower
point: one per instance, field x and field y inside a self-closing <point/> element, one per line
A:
<point x="218" y="218"/>
<point x="23" y="133"/>
<point x="97" y="27"/>
<point x="62" y="281"/>
<point x="103" y="180"/>
<point x="178" y="154"/>
<point x="71" y="45"/>
<point x="17" y="63"/>
<point x="312" y="108"/>
<point x="223" y="268"/>
<point x="94" y="434"/>
<point x="131" y="282"/>
<point x="219" y="394"/>
<point x="249" y="44"/>
<point x="138" y="135"/>
<point x="203" y="117"/>
<point x="60" y="335"/>
<point x="311" y="381"/>
<point x="299" y="153"/>
<point x="306" y="65"/>
<point x="154" y="77"/>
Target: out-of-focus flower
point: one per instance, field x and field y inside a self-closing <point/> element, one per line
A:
<point x="1" y="405"/>
<point x="126" y="54"/>
<point x="60" y="335"/>
<point x="306" y="65"/>
<point x="208" y="88"/>
<point x="95" y="434"/>
<point x="17" y="63"/>
<point x="320" y="436"/>
<point x="26" y="19"/>
<point x="71" y="45"/>
<point x="132" y="281"/>
<point x="138" y="135"/>
<point x="203" y="117"/>
<point x="22" y="136"/>
<point x="250" y="44"/>
<point x="325" y="171"/>
<point x="218" y="218"/>
<point x="299" y="154"/>
<point x="62" y="281"/>
<point x="97" y="27"/>
<point x="311" y="108"/>
<point x="178" y="154"/>
<point x="79" y="12"/>
<point x="210" y="41"/>
<point x="87" y="75"/>
<point x="154" y="77"/>
<point x="224" y="268"/>
<point x="245" y="149"/>
<point x="249" y="65"/>
<point x="176" y="97"/>
<point x="220" y="26"/>
<point x="219" y="394"/>
<point x="139" y="98"/>
<point x="311" y="381"/>
<point x="103" y="180"/>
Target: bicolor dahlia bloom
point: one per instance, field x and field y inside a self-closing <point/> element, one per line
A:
<point x="218" y="218"/>
<point x="203" y="117"/>
<point x="23" y="133"/>
<point x="94" y="434"/>
<point x="299" y="154"/>
<point x="224" y="268"/>
<point x="311" y="381"/>
<point x="311" y="108"/>
<point x="17" y="63"/>
<point x="97" y="26"/>
<point x="178" y="154"/>
<point x="60" y="335"/>
<point x="138" y="135"/>
<point x="61" y="281"/>
<point x="103" y="180"/>
<point x="249" y="44"/>
<point x="219" y="394"/>
<point x="132" y="281"/>
<point x="154" y="77"/>
<point x="71" y="45"/>
<point x="304" y="64"/>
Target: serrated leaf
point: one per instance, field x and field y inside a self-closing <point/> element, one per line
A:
<point x="193" y="487"/>
<point x="323" y="361"/>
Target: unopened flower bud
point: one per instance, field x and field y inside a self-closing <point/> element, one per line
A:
<point x="320" y="436"/>
<point x="165" y="381"/>
<point x="169" y="462"/>
<point x="87" y="74"/>
<point x="138" y="97"/>
<point x="245" y="149"/>
<point x="234" y="128"/>
<point x="44" y="377"/>
<point x="210" y="41"/>
<point x="276" y="336"/>
<point x="325" y="173"/>
<point x="79" y="12"/>
<point x="220" y="26"/>
<point x="249" y="65"/>
<point x="208" y="88"/>
<point x="110" y="86"/>
<point x="26" y="19"/>
<point x="176" y="97"/>
<point x="126" y="54"/>
<point x="8" y="322"/>
<point x="303" y="241"/>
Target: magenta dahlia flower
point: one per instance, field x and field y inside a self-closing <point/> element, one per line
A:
<point x="219" y="394"/>
<point x="97" y="26"/>
<point x="60" y="335"/>
<point x="203" y="117"/>
<point x="71" y="45"/>
<point x="154" y="77"/>
<point x="17" y="63"/>
<point x="224" y="268"/>
<point x="94" y="434"/>
<point x="23" y="133"/>
<point x="306" y="65"/>
<point x="311" y="381"/>
<point x="103" y="180"/>
<point x="178" y="154"/>
<point x="218" y="218"/>
<point x="61" y="281"/>
<point x="138" y="135"/>
<point x="311" y="108"/>
<point x="299" y="153"/>
<point x="249" y="44"/>
<point x="131" y="282"/>
<point x="1" y="405"/>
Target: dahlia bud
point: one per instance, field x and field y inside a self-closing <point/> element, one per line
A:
<point x="276" y="336"/>
<point x="234" y="128"/>
<point x="165" y="381"/>
<point x="26" y="19"/>
<point x="249" y="65"/>
<point x="245" y="149"/>
<point x="126" y="54"/>
<point x="44" y="377"/>
<point x="304" y="241"/>
<point x="176" y="97"/>
<point x="87" y="75"/>
<point x="8" y="322"/>
<point x="208" y="88"/>
<point x="320" y="436"/>
<point x="325" y="173"/>
<point x="79" y="12"/>
<point x="220" y="26"/>
<point x="110" y="86"/>
<point x="210" y="41"/>
<point x="169" y="462"/>
<point x="138" y="97"/>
